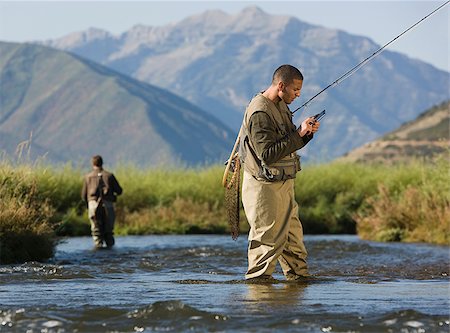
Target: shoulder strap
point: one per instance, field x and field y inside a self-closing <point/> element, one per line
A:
<point x="261" y="104"/>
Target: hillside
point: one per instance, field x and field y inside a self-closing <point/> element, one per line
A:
<point x="219" y="61"/>
<point x="75" y="108"/>
<point x="427" y="136"/>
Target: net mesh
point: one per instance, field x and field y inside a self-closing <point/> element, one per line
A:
<point x="232" y="196"/>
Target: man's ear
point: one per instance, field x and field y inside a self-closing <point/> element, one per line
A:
<point x="281" y="86"/>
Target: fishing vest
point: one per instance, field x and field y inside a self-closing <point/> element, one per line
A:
<point x="285" y="168"/>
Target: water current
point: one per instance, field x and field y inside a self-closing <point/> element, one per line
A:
<point x="195" y="284"/>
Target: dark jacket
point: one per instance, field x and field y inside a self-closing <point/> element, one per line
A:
<point x="100" y="183"/>
<point x="270" y="141"/>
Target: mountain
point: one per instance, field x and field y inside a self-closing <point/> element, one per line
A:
<point x="219" y="61"/>
<point x="75" y="108"/>
<point x="427" y="136"/>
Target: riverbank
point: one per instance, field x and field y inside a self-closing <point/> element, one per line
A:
<point x="384" y="203"/>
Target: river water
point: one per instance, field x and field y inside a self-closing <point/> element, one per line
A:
<point x="195" y="284"/>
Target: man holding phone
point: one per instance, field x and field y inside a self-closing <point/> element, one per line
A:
<point x="268" y="149"/>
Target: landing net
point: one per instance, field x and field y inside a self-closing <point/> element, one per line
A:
<point x="232" y="195"/>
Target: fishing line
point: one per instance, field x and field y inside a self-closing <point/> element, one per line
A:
<point x="365" y="61"/>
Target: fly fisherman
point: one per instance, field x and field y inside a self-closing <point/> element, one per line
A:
<point x="268" y="149"/>
<point x="100" y="189"/>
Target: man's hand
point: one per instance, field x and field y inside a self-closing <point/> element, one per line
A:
<point x="308" y="126"/>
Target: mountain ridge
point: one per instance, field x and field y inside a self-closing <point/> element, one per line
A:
<point x="219" y="61"/>
<point x="76" y="108"/>
<point x="426" y="137"/>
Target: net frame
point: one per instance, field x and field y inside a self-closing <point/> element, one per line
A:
<point x="232" y="196"/>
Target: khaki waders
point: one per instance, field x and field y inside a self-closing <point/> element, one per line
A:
<point x="102" y="227"/>
<point x="276" y="233"/>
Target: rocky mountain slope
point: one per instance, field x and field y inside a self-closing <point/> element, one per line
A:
<point x="74" y="108"/>
<point x="427" y="136"/>
<point x="219" y="61"/>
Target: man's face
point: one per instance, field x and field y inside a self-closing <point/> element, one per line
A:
<point x="291" y="91"/>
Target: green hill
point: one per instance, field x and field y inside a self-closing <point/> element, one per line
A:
<point x="74" y="108"/>
<point x="426" y="136"/>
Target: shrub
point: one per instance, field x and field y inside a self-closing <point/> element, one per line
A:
<point x="26" y="233"/>
<point x="417" y="211"/>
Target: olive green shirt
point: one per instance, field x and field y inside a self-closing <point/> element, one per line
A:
<point x="266" y="139"/>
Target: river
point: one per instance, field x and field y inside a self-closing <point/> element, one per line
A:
<point x="195" y="284"/>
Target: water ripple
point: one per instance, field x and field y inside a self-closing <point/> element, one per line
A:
<point x="196" y="283"/>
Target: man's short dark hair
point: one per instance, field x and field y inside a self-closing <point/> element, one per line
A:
<point x="97" y="161"/>
<point x="286" y="74"/>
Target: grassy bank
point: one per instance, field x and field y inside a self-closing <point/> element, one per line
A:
<point x="403" y="202"/>
<point x="386" y="203"/>
<point x="413" y="206"/>
<point x="171" y="201"/>
<point x="26" y="230"/>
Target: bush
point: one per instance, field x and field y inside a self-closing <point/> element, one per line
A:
<point x="26" y="233"/>
<point x="416" y="211"/>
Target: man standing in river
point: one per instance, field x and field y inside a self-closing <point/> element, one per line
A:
<point x="100" y="190"/>
<point x="268" y="148"/>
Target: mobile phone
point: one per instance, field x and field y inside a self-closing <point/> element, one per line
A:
<point x="319" y="116"/>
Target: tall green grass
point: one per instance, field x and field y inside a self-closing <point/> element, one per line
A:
<point x="26" y="230"/>
<point x="171" y="201"/>
<point x="408" y="202"/>
<point x="411" y="205"/>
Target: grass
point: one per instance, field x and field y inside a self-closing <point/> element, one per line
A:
<point x="329" y="194"/>
<point x="414" y="206"/>
<point x="401" y="202"/>
<point x="26" y="230"/>
<point x="407" y="202"/>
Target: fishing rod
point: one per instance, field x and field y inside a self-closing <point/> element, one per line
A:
<point x="365" y="61"/>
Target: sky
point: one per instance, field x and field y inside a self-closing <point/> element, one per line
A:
<point x="380" y="20"/>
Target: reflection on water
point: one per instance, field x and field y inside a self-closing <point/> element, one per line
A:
<point x="195" y="283"/>
<point x="269" y="296"/>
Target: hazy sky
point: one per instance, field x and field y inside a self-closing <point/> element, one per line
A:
<point x="379" y="20"/>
